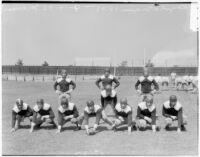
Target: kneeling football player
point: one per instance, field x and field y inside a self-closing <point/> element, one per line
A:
<point x="123" y="113"/>
<point x="42" y="113"/>
<point x="146" y="114"/>
<point x="20" y="111"/>
<point x="173" y="111"/>
<point x="93" y="110"/>
<point x="67" y="112"/>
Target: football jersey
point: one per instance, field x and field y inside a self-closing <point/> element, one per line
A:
<point x="173" y="75"/>
<point x="123" y="112"/>
<point x="146" y="84"/>
<point x="158" y="79"/>
<point x="92" y="113"/>
<point x="21" y="112"/>
<point x="173" y="111"/>
<point x="43" y="111"/>
<point x="71" y="110"/>
<point x="165" y="79"/>
<point x="63" y="84"/>
<point x="144" y="110"/>
<point x="107" y="80"/>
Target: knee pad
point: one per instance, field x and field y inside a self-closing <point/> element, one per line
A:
<point x="168" y="121"/>
<point x="142" y="123"/>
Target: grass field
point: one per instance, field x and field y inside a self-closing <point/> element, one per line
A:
<point x="46" y="142"/>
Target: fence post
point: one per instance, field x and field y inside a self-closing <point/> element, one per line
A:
<point x="15" y="78"/>
<point x="33" y="79"/>
<point x="43" y="78"/>
<point x="24" y="78"/>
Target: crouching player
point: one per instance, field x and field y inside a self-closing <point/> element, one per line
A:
<point x="172" y="111"/>
<point x="146" y="115"/>
<point x="67" y="112"/>
<point x="93" y="110"/>
<point x="123" y="114"/>
<point x="20" y="111"/>
<point x="42" y="113"/>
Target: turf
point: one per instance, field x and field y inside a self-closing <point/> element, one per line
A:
<point x="46" y="142"/>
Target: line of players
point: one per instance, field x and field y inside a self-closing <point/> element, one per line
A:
<point x="68" y="112"/>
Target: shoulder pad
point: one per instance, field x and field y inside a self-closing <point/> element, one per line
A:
<point x="141" y="78"/>
<point x="35" y="108"/>
<point x="96" y="107"/>
<point x="142" y="105"/>
<point x="111" y="77"/>
<point x="128" y="109"/>
<point x="150" y="78"/>
<point x="15" y="108"/>
<point x="177" y="106"/>
<point x="102" y="77"/>
<point x="68" y="80"/>
<point x="117" y="107"/>
<point x="86" y="109"/>
<point x="59" y="80"/>
<point x="60" y="108"/>
<point x="25" y="106"/>
<point x="103" y="93"/>
<point x="152" y="108"/>
<point x="46" y="106"/>
<point x="166" y="104"/>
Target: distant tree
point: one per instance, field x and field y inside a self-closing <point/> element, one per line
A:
<point x="45" y="64"/>
<point x="149" y="64"/>
<point x="19" y="62"/>
<point x="123" y="63"/>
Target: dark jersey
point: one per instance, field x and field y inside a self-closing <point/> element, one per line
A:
<point x="46" y="110"/>
<point x="107" y="81"/>
<point x="144" y="111"/>
<point x="71" y="110"/>
<point x="108" y="99"/>
<point x="64" y="84"/>
<point x="123" y="112"/>
<point x="146" y="84"/>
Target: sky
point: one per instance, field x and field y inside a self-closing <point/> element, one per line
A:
<point x="98" y="34"/>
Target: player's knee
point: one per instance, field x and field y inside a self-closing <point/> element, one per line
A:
<point x="142" y="124"/>
<point x="118" y="121"/>
<point x="168" y="121"/>
<point x="74" y="120"/>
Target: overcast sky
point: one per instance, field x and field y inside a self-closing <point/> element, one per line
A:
<point x="64" y="33"/>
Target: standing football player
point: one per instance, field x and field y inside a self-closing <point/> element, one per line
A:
<point x="123" y="113"/>
<point x="62" y="85"/>
<point x="107" y="79"/>
<point x="173" y="78"/>
<point x="20" y="111"/>
<point x="42" y="113"/>
<point x="146" y="114"/>
<point x="67" y="112"/>
<point x="173" y="111"/>
<point x="146" y="83"/>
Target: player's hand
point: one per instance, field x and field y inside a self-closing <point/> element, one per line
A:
<point x="58" y="92"/>
<point x="148" y="119"/>
<point x="179" y="130"/>
<point x="12" y="130"/>
<point x="69" y="91"/>
<point x="173" y="117"/>
<point x="153" y="128"/>
<point x="58" y="131"/>
<point x="120" y="118"/>
<point x="42" y="118"/>
<point x="31" y="130"/>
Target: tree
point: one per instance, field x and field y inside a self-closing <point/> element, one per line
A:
<point x="149" y="64"/>
<point x="19" y="62"/>
<point x="123" y="63"/>
<point x="45" y="64"/>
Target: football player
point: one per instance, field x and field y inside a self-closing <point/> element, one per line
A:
<point x="93" y="110"/>
<point x="62" y="85"/>
<point x="173" y="111"/>
<point x="146" y="83"/>
<point x="173" y="78"/>
<point x="42" y="113"/>
<point x="106" y="79"/>
<point x="20" y="111"/>
<point x="67" y="112"/>
<point x="146" y="114"/>
<point x="123" y="113"/>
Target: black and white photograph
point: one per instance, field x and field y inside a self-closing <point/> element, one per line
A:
<point x="100" y="78"/>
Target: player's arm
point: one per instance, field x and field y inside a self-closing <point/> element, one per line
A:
<point x="156" y="86"/>
<point x="139" y="115"/>
<point x="164" y="113"/>
<point x="129" y="121"/>
<point x="180" y="117"/>
<point x="115" y="100"/>
<point x="102" y="101"/>
<point x="98" y="118"/>
<point x="30" y="111"/>
<point x="137" y="85"/>
<point x="86" y="118"/>
<point x="76" y="113"/>
<point x="98" y="83"/>
<point x="73" y="84"/>
<point x="153" y="117"/>
<point x="55" y="85"/>
<point x="117" y="83"/>
<point x="51" y="113"/>
<point x="14" y="114"/>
